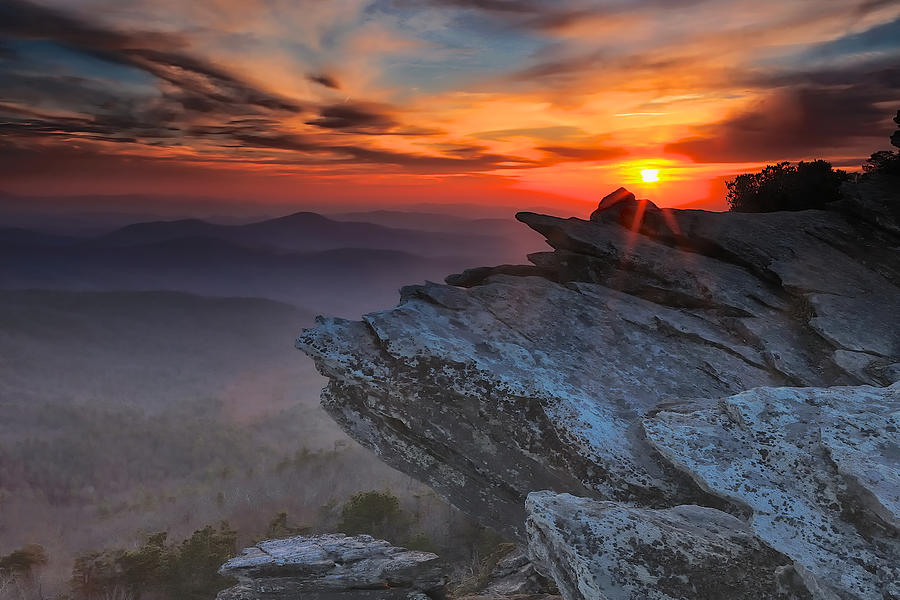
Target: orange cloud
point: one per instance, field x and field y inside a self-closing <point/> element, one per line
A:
<point x="563" y="98"/>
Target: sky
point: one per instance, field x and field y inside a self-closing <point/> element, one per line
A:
<point x="384" y="102"/>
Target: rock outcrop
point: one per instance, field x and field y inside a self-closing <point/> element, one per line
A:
<point x="333" y="567"/>
<point x="817" y="472"/>
<point x="599" y="371"/>
<point x="605" y="550"/>
<point x="817" y="469"/>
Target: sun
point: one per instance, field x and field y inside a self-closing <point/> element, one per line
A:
<point x="649" y="175"/>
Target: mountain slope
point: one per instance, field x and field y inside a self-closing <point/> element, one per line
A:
<point x="309" y="232"/>
<point x="343" y="281"/>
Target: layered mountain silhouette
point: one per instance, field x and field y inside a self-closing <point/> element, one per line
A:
<point x="305" y="258"/>
<point x="307" y="232"/>
<point x="17" y="235"/>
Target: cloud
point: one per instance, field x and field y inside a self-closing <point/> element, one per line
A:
<point x="198" y="104"/>
<point x="823" y="113"/>
<point x="529" y="15"/>
<point x="365" y="119"/>
<point x="501" y="6"/>
<point x="351" y="117"/>
<point x="21" y="18"/>
<point x="6" y="52"/>
<point x="445" y="86"/>
<point x="354" y="154"/>
<point x="550" y="133"/>
<point x="325" y="80"/>
<point x="198" y="83"/>
<point x="574" y="153"/>
<point x="560" y="14"/>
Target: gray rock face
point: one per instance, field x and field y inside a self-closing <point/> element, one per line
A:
<point x="818" y="468"/>
<point x="557" y="376"/>
<point x="608" y="551"/>
<point x="333" y="567"/>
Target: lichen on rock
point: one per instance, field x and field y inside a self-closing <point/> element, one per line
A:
<point x="610" y="551"/>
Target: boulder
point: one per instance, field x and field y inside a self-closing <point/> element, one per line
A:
<point x="333" y="567"/>
<point x="608" y="551"/>
<point x="818" y="469"/>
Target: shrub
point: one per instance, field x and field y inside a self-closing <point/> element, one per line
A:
<point x="185" y="571"/>
<point x="376" y="513"/>
<point x="24" y="560"/>
<point x="421" y="542"/>
<point x="785" y="187"/>
<point x="280" y="528"/>
<point x="884" y="161"/>
<point x="18" y="577"/>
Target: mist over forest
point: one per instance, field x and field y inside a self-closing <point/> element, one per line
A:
<point x="149" y="380"/>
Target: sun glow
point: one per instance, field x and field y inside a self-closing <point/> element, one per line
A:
<point x="649" y="175"/>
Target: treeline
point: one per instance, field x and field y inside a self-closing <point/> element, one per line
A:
<point x="157" y="569"/>
<point x="808" y="185"/>
<point x="72" y="453"/>
<point x="160" y="569"/>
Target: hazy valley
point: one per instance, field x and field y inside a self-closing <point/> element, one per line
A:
<point x="149" y="381"/>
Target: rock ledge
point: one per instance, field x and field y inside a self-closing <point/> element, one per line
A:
<point x="656" y="359"/>
<point x="333" y="567"/>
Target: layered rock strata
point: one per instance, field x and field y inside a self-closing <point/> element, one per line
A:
<point x="600" y="371"/>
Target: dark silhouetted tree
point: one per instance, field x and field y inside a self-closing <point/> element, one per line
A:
<point x="784" y="186"/>
<point x="886" y="161"/>
<point x="883" y="161"/>
<point x="895" y="137"/>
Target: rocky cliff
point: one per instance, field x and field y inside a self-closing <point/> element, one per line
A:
<point x="614" y="372"/>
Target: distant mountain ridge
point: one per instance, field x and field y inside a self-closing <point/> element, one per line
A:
<point x="343" y="280"/>
<point x="305" y="258"/>
<point x="308" y="232"/>
<point x="18" y="235"/>
<point x="434" y="221"/>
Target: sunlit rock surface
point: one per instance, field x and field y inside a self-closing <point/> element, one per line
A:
<point x="333" y="567"/>
<point x="558" y="375"/>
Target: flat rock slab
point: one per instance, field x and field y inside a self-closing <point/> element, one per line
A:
<point x="332" y="567"/>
